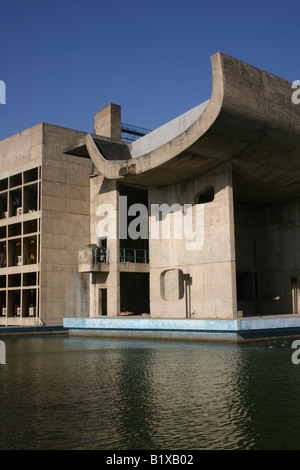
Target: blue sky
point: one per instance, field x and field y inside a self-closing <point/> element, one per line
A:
<point x="63" y="60"/>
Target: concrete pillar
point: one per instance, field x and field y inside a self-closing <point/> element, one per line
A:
<point x="105" y="192"/>
<point x="107" y="122"/>
<point x="209" y="269"/>
<point x="229" y="213"/>
<point x="113" y="281"/>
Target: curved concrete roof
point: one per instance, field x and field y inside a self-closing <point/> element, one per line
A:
<point x="169" y="131"/>
<point x="249" y="120"/>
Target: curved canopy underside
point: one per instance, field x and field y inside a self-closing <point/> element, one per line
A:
<point x="250" y="120"/>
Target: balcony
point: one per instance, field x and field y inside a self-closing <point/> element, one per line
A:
<point x="134" y="260"/>
<point x="93" y="259"/>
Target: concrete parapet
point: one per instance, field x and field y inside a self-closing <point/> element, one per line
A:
<point x="190" y="329"/>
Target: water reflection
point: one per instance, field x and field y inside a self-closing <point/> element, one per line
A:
<point x="267" y="382"/>
<point x="80" y="393"/>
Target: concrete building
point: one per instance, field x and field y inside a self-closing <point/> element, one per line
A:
<point x="44" y="205"/>
<point x="225" y="245"/>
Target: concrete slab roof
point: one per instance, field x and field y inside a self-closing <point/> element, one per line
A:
<point x="250" y="121"/>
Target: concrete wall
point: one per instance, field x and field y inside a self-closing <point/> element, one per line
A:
<point x="65" y="227"/>
<point x="21" y="151"/>
<point x="211" y="267"/>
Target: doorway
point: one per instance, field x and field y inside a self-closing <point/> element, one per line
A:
<point x="134" y="293"/>
<point x="102" y="299"/>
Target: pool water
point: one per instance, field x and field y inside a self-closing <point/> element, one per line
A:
<point x="61" y="392"/>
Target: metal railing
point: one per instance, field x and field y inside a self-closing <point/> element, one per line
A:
<point x="132" y="133"/>
<point x="100" y="255"/>
<point x="134" y="255"/>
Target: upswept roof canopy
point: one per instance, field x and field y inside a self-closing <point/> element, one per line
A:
<point x="250" y="121"/>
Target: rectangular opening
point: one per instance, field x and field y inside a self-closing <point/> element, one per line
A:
<point x="30" y="250"/>
<point x="15" y="203"/>
<point x="30" y="203"/>
<point x="3" y="206"/>
<point x="3" y="255"/>
<point x="29" y="303"/>
<point x="134" y="250"/>
<point x="102" y="242"/>
<point x="29" y="279"/>
<point x="2" y="282"/>
<point x="134" y="293"/>
<point x="3" y="310"/>
<point x="102" y="299"/>
<point x="30" y="226"/>
<point x="14" y="230"/>
<point x="14" y="303"/>
<point x="14" y="280"/>
<point x="31" y="175"/>
<point x="14" y="252"/>
<point x="3" y="184"/>
<point x="15" y="180"/>
<point x="3" y="232"/>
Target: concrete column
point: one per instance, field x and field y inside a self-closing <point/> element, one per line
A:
<point x="231" y="235"/>
<point x="113" y="281"/>
<point x="209" y="267"/>
<point x="105" y="192"/>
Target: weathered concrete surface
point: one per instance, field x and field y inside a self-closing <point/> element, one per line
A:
<point x="65" y="199"/>
<point x="208" y="260"/>
<point x="108" y="121"/>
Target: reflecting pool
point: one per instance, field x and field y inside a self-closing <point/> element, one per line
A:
<point x="61" y="392"/>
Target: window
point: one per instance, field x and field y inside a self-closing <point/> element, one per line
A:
<point x="205" y="196"/>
